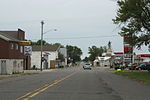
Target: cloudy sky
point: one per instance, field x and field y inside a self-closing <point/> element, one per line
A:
<point x="82" y="23"/>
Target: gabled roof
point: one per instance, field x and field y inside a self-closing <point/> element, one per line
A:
<point x="45" y="48"/>
<point x="13" y="34"/>
<point x="7" y="37"/>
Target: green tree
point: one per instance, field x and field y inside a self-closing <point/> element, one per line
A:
<point x="58" y="44"/>
<point x="95" y="52"/>
<point x="61" y="57"/>
<point x="133" y="16"/>
<point x="46" y="43"/>
<point x="74" y="53"/>
<point x="39" y="42"/>
<point x="86" y="59"/>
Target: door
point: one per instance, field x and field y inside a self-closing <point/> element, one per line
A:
<point x="14" y="66"/>
<point x="3" y="67"/>
<point x="52" y="64"/>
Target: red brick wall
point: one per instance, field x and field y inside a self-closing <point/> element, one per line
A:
<point x="15" y="53"/>
<point x="21" y="34"/>
<point x="7" y="53"/>
<point x="4" y="45"/>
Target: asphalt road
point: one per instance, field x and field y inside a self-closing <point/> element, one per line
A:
<point x="72" y="84"/>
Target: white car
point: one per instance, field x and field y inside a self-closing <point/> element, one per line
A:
<point x="87" y="66"/>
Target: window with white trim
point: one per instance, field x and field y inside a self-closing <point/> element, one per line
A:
<point x="21" y="49"/>
<point x="16" y="46"/>
<point x="11" y="46"/>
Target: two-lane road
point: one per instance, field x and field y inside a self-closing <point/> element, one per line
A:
<point x="63" y="84"/>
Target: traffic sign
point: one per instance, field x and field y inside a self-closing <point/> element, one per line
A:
<point x="27" y="50"/>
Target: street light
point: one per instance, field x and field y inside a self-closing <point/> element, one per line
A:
<point x="42" y="23"/>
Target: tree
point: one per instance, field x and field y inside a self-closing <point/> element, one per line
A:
<point x="95" y="52"/>
<point x="58" y="44"/>
<point x="133" y="16"/>
<point x="74" y="53"/>
<point x="86" y="59"/>
<point x="39" y="42"/>
<point x="46" y="43"/>
<point x="61" y="57"/>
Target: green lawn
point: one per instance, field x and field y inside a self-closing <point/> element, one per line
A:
<point x="139" y="76"/>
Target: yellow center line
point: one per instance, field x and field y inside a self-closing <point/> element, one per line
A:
<point x="45" y="87"/>
<point x="33" y="91"/>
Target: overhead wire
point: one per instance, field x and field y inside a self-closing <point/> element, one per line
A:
<point x="84" y="37"/>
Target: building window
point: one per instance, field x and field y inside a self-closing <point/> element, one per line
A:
<point x="21" y="49"/>
<point x="16" y="46"/>
<point x="12" y="46"/>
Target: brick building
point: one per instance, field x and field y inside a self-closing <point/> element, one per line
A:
<point x="12" y="58"/>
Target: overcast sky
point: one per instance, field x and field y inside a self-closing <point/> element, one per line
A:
<point x="82" y="23"/>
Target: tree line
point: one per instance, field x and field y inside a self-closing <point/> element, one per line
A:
<point x="74" y="53"/>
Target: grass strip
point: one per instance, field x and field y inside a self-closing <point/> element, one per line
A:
<point x="138" y="76"/>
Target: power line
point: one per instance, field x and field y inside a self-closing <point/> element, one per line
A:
<point x="84" y="37"/>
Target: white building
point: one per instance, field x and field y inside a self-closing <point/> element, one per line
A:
<point x="102" y="61"/>
<point x="50" y="54"/>
<point x="63" y="51"/>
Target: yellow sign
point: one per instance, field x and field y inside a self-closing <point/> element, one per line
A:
<point x="25" y="42"/>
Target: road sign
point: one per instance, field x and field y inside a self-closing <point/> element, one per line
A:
<point x="27" y="50"/>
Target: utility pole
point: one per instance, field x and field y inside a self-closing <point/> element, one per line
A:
<point x="133" y="59"/>
<point x="42" y="23"/>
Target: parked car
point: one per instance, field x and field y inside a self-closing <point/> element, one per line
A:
<point x="144" y="67"/>
<point x="132" y="66"/>
<point x="87" y="66"/>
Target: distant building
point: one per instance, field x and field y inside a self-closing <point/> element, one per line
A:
<point x="106" y="58"/>
<point x="12" y="58"/>
<point x="102" y="61"/>
<point x="50" y="54"/>
<point x="118" y="57"/>
<point x="63" y="51"/>
<point x="137" y="58"/>
<point x="142" y="58"/>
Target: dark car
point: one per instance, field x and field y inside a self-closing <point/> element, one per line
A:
<point x="133" y="66"/>
<point x="143" y="67"/>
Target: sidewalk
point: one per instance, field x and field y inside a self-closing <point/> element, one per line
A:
<point x="38" y="71"/>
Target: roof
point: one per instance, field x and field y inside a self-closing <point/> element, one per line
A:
<point x="118" y="53"/>
<point x="45" y="48"/>
<point x="104" y="58"/>
<point x="143" y="55"/>
<point x="13" y="34"/>
<point x="7" y="37"/>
